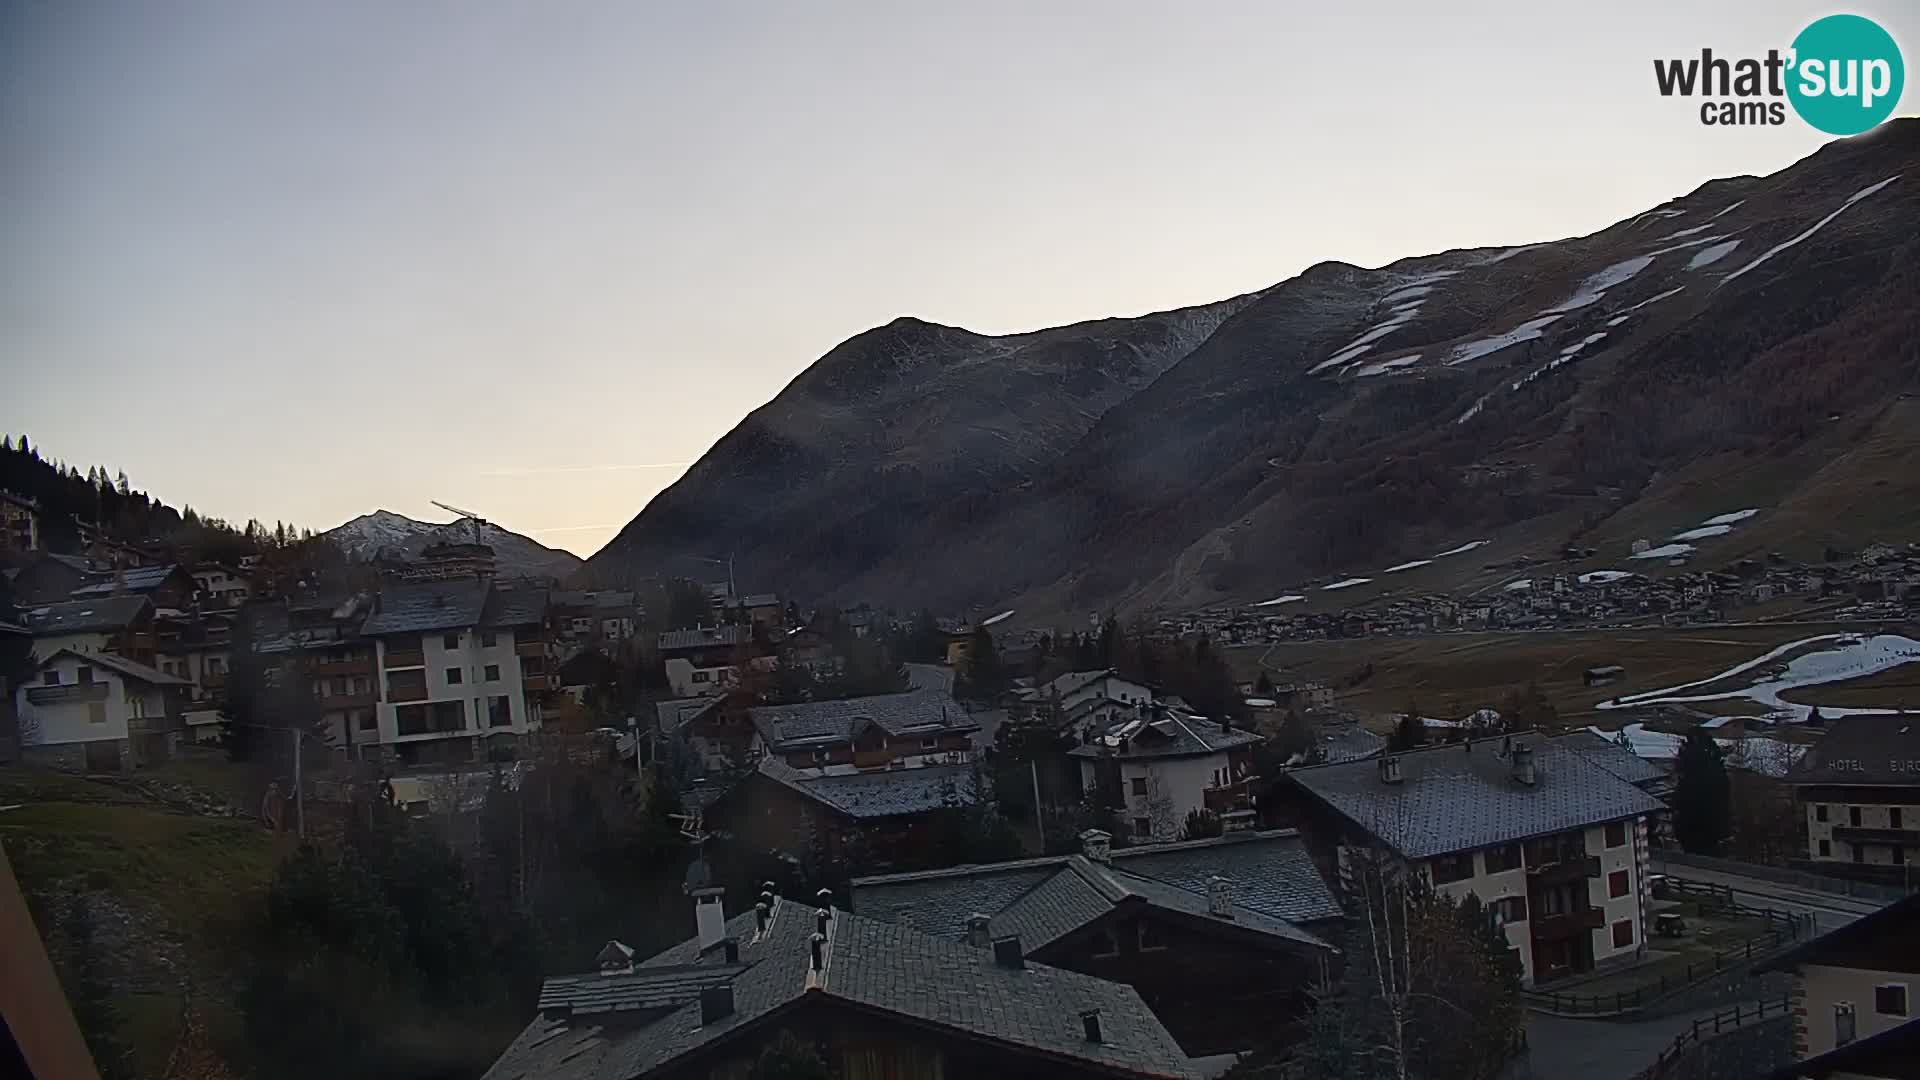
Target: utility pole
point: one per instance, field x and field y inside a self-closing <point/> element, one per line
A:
<point x="299" y="798"/>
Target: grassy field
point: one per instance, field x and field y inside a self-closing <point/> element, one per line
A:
<point x="189" y="884"/>
<point x="1894" y="688"/>
<point x="1453" y="674"/>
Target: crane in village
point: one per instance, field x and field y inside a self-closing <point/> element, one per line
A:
<point x="473" y="519"/>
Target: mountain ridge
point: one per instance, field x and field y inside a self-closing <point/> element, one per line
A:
<point x="1331" y="420"/>
<point x="385" y="532"/>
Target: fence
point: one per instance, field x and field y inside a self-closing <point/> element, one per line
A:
<point x="1798" y="879"/>
<point x="1783" y="928"/>
<point x="1708" y="1026"/>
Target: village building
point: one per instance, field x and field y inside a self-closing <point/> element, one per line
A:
<point x="1155" y="769"/>
<point x="97" y="712"/>
<point x="1854" y="1010"/>
<point x="1223" y="938"/>
<point x="875" y="998"/>
<point x="1859" y="788"/>
<point x="1553" y="844"/>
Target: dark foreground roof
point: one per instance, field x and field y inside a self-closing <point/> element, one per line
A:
<point x="915" y="712"/>
<point x="1886" y="940"/>
<point x="1462" y="796"/>
<point x="650" y="1018"/>
<point x="1893" y="1054"/>
<point x="1272" y="875"/>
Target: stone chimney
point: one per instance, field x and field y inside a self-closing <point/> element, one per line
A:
<point x="1389" y="768"/>
<point x="1097" y="845"/>
<point x="1219" y="897"/>
<point x="1522" y="762"/>
<point x="1008" y="954"/>
<point x="979" y="930"/>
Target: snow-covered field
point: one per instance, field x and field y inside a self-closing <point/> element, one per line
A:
<point x="1814" y="228"/>
<point x="1769" y="757"/>
<point x="1849" y="656"/>
<point x="1000" y="618"/>
<point x="1593" y="288"/>
<point x="1709" y="256"/>
<point x="1463" y="548"/>
<point x="1407" y="566"/>
<point x="1517" y="586"/>
<point x="1730" y="518"/>
<point x="1290" y="598"/>
<point x="1347" y="584"/>
<point x="1703" y="532"/>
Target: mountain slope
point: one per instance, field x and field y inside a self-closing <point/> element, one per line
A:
<point x="1347" y="419"/>
<point x="369" y="535"/>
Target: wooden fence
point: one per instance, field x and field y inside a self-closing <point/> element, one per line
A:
<point x="1708" y="1026"/>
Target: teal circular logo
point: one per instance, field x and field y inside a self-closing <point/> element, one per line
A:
<point x="1847" y="75"/>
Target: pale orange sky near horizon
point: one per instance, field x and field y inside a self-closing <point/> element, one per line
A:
<point x="298" y="261"/>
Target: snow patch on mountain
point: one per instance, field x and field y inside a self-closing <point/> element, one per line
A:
<point x="1596" y="286"/>
<point x="1290" y="598"/>
<point x="1664" y="551"/>
<point x="1816" y="227"/>
<point x="1714" y="254"/>
<point x="1474" y="350"/>
<point x="1703" y="532"/>
<point x="1407" y="566"/>
<point x="1347" y="584"/>
<point x="1731" y="517"/>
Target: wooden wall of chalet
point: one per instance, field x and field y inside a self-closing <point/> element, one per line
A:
<point x="1217" y="989"/>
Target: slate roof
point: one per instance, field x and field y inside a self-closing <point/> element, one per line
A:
<point x="1877" y="750"/>
<point x="599" y="599"/>
<point x="420" y="607"/>
<point x="870" y="966"/>
<point x="1352" y="743"/>
<point x="916" y="712"/>
<point x="1462" y="796"/>
<point x="1170" y="735"/>
<point x="1893" y="1054"/>
<point x="136" y="579"/>
<point x="514" y="607"/>
<point x="120" y="664"/>
<point x="1274" y="882"/>
<point x="705" y="637"/>
<point x="879" y="794"/>
<point x="1619" y="760"/>
<point x="662" y="986"/>
<point x="104" y="615"/>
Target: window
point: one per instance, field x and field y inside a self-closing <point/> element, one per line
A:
<point x="1452" y="868"/>
<point x="362" y="684"/>
<point x="1820" y="812"/>
<point x="52" y="677"/>
<point x="96" y="712"/>
<point x="499" y="711"/>
<point x="1623" y="933"/>
<point x="1859" y="853"/>
<point x="1826" y="848"/>
<point x="1893" y="817"/>
<point x="1513" y="909"/>
<point x="1617" y="884"/>
<point x="1505" y="857"/>
<point x="365" y="719"/>
<point x="702" y="676"/>
<point x="493" y="672"/>
<point x="1853" y="816"/>
<point x="1890" y="999"/>
<point x="929" y="744"/>
<point x="1139" y="785"/>
<point x="1617" y="834"/>
<point x="215" y="666"/>
<point x="450" y="641"/>
<point x="1899" y="855"/>
<point x="1107" y="944"/>
<point x="1152" y="938"/>
<point x="1842" y="1023"/>
<point x="85" y="674"/>
<point x="487" y="639"/>
<point x="1142" y="828"/>
<point x="453" y="676"/>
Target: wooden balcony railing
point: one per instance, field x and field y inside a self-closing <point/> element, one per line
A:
<point x="535" y="647"/>
<point x="1549" y="927"/>
<point x="1565" y="871"/>
<point x="404" y="658"/>
<point x="68" y="694"/>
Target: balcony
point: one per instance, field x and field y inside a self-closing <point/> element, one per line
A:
<point x="72" y="693"/>
<point x="535" y="647"/>
<point x="1855" y="834"/>
<point x="1227" y="800"/>
<point x="405" y="658"/>
<point x="872" y="759"/>
<point x="1568" y="924"/>
<point x="360" y="700"/>
<point x="1565" y="871"/>
<point x="359" y="665"/>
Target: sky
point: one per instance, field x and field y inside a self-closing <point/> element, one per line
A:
<point x="299" y="261"/>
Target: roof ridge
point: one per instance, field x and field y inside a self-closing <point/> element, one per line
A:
<point x="1100" y="877"/>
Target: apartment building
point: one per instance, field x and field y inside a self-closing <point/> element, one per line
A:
<point x="461" y="664"/>
<point x="883" y="731"/>
<point x="1156" y="765"/>
<point x="1853" y="999"/>
<point x="19" y="522"/>
<point x="314" y="646"/>
<point x="594" y="615"/>
<point x="98" y="712"/>
<point x="220" y="587"/>
<point x="1859" y="789"/>
<point x="1552" y="843"/>
<point x="1092" y="700"/>
<point x="705" y="660"/>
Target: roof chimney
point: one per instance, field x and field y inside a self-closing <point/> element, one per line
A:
<point x="818" y="944"/>
<point x="1219" y="897"/>
<point x="1008" y="954"/>
<point x="821" y="916"/>
<point x="1389" y="768"/>
<point x="709" y="915"/>
<point x="716" y="1004"/>
<point x="1097" y="844"/>
<point x="1523" y="764"/>
<point x="1090" y="1020"/>
<point x="614" y="959"/>
<point x="979" y="930"/>
<point x="762" y="914"/>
